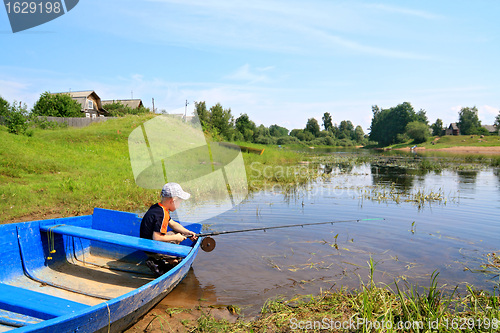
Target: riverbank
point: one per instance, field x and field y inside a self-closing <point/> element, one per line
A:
<point x="371" y="308"/>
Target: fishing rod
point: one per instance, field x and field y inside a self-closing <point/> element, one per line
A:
<point x="208" y="243"/>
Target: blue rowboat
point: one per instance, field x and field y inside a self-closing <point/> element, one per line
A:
<point x="83" y="274"/>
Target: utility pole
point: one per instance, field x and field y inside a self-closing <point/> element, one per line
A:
<point x="153" y="105"/>
<point x="185" y="110"/>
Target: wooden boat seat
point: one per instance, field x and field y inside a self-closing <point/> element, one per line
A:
<point x="143" y="244"/>
<point x="35" y="304"/>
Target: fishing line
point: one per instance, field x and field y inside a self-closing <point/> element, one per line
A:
<point x="208" y="243"/>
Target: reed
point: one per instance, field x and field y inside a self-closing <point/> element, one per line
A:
<point x="373" y="308"/>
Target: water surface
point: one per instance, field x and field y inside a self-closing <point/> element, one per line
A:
<point x="453" y="236"/>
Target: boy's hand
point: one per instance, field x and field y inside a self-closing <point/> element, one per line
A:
<point x="179" y="238"/>
<point x="193" y="236"/>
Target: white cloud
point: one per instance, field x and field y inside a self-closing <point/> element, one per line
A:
<point x="244" y="73"/>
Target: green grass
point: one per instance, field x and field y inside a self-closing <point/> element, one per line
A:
<point x="448" y="141"/>
<point x="464" y="140"/>
<point x="69" y="171"/>
<point x="374" y="308"/>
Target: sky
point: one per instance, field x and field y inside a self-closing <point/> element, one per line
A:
<point x="280" y="62"/>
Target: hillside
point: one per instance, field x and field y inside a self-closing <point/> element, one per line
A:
<point x="69" y="171"/>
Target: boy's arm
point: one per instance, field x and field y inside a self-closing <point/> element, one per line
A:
<point x="177" y="227"/>
<point x="168" y="238"/>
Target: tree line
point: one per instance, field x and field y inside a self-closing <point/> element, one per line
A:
<point x="388" y="126"/>
<point x="401" y="123"/>
<point x="220" y="122"/>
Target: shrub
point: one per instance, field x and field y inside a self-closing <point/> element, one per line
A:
<point x="117" y="109"/>
<point x="265" y="140"/>
<point x="285" y="140"/>
<point x="17" y="120"/>
<point x="417" y="131"/>
<point x="4" y="107"/>
<point x="58" y="105"/>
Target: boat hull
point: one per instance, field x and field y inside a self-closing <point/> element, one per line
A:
<point x="113" y="315"/>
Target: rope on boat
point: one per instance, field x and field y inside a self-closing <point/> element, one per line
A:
<point x="109" y="317"/>
<point x="50" y="241"/>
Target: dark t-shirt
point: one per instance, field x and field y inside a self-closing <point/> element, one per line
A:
<point x="155" y="219"/>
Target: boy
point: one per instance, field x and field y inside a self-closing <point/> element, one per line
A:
<point x="154" y="226"/>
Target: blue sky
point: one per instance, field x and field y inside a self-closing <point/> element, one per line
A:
<point x="281" y="62"/>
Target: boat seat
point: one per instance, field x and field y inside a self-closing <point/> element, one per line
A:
<point x="34" y="304"/>
<point x="143" y="244"/>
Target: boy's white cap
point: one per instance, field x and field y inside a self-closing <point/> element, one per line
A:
<point x="171" y="190"/>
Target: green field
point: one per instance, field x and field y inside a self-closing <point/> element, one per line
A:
<point x="69" y="171"/>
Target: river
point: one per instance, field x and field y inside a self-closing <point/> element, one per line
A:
<point x="453" y="234"/>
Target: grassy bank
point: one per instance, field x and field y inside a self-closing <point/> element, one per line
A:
<point x="69" y="171"/>
<point x="372" y="307"/>
<point x="449" y="141"/>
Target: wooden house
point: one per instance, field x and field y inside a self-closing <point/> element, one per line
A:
<point x="492" y="129"/>
<point x="452" y="129"/>
<point x="90" y="103"/>
<point x="131" y="103"/>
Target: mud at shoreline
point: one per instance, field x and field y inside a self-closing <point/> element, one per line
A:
<point x="181" y="309"/>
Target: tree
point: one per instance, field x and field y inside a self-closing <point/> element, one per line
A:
<point x="57" y="105"/>
<point x="437" y="127"/>
<point x="203" y="114"/>
<point x="221" y="120"/>
<point x="4" y="107"/>
<point x="346" y="130"/>
<point x="418" y="131"/>
<point x="422" y="117"/>
<point x="117" y="109"/>
<point x="497" y="121"/>
<point x="389" y="125"/>
<point x="312" y="127"/>
<point x="17" y="119"/>
<point x="277" y="131"/>
<point x="359" y="134"/>
<point x="468" y="121"/>
<point x="327" y="121"/>
<point x="246" y="127"/>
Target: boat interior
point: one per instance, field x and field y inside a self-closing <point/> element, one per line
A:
<point x="60" y="266"/>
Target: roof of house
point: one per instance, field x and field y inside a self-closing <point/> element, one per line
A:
<point x="454" y="126"/>
<point x="81" y="97"/>
<point x="131" y="103"/>
<point x="490" y="128"/>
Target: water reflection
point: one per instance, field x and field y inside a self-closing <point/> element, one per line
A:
<point x="467" y="176"/>
<point x="388" y="175"/>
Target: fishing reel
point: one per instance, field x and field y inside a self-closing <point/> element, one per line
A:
<point x="208" y="244"/>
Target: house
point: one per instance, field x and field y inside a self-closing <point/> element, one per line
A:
<point x="131" y="103"/>
<point x="452" y="129"/>
<point x="90" y="102"/>
<point x="492" y="129"/>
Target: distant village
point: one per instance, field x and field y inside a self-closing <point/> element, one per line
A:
<point x="94" y="107"/>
